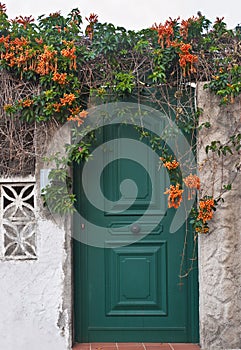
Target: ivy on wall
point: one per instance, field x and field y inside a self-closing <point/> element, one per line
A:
<point x="66" y="65"/>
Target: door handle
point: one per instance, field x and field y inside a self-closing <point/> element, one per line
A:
<point x="135" y="228"/>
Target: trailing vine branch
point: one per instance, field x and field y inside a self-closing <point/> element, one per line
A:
<point x="50" y="69"/>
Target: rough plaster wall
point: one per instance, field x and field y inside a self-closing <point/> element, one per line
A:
<point x="35" y="295"/>
<point x="220" y="251"/>
<point x="31" y="301"/>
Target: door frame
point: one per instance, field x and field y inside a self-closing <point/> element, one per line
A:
<point x="79" y="258"/>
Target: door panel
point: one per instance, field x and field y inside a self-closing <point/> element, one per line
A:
<point x="130" y="292"/>
<point x="121" y="169"/>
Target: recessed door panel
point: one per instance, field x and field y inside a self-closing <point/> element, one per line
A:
<point x="129" y="292"/>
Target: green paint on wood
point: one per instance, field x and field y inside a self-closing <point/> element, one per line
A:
<point x="132" y="293"/>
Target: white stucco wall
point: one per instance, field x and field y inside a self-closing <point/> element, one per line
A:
<point x="35" y="291"/>
<point x="32" y="293"/>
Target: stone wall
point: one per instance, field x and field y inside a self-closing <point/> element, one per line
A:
<point x="220" y="251"/>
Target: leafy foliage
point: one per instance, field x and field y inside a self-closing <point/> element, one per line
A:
<point x="232" y="145"/>
<point x="65" y="66"/>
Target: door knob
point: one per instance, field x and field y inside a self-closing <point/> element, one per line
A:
<point x="135" y="228"/>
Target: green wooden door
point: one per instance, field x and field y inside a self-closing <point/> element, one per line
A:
<point x="130" y="292"/>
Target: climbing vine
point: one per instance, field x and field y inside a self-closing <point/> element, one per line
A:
<point x="56" y="68"/>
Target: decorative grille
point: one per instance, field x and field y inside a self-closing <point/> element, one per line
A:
<point x="18" y="220"/>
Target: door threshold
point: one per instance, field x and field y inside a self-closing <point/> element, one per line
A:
<point x="136" y="346"/>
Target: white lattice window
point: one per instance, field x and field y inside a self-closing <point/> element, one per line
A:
<point x="18" y="220"/>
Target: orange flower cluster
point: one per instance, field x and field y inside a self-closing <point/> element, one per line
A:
<point x="165" y="32"/>
<point x="203" y="229"/>
<point x="23" y="20"/>
<point x="47" y="61"/>
<point x="193" y="183"/>
<point x="55" y="14"/>
<point x="175" y="196"/>
<point x="171" y="165"/>
<point x="185" y="24"/>
<point x="77" y="118"/>
<point x="165" y="38"/>
<point x="26" y="103"/>
<point x="206" y="207"/>
<point x="92" y="19"/>
<point x="75" y="111"/>
<point x="218" y="20"/>
<point x="58" y="29"/>
<point x="187" y="58"/>
<point x="68" y="99"/>
<point x="57" y="107"/>
<point x="60" y="78"/>
<point x="17" y="51"/>
<point x="69" y="52"/>
<point x="39" y="41"/>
